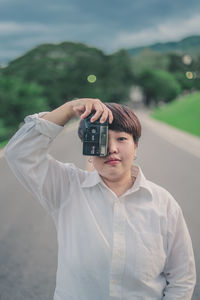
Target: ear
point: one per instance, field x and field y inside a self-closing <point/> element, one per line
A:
<point x="89" y="165"/>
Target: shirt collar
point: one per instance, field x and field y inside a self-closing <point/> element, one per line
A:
<point x="93" y="178"/>
<point x="140" y="181"/>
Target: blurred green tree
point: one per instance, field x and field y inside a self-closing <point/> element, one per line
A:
<point x="158" y="85"/>
<point x="118" y="77"/>
<point x="148" y="59"/>
<point x="18" y="99"/>
<point x="181" y="65"/>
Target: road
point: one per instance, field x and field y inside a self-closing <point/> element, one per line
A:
<point x="28" y="247"/>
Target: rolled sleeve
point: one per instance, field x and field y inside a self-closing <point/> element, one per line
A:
<point x="43" y="126"/>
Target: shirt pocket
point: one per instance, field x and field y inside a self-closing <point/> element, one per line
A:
<point x="149" y="255"/>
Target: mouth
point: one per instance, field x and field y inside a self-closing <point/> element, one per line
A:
<point x="112" y="161"/>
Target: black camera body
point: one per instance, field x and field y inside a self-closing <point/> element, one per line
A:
<point x="95" y="137"/>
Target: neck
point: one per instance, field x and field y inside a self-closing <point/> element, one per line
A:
<point x="119" y="186"/>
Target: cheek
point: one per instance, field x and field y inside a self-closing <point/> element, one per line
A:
<point x="97" y="163"/>
<point x="129" y="152"/>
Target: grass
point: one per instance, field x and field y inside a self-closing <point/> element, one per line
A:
<point x="3" y="144"/>
<point x="182" y="113"/>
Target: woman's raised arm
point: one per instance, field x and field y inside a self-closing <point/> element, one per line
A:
<point x="80" y="107"/>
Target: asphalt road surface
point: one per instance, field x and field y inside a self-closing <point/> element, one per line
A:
<point x="28" y="247"/>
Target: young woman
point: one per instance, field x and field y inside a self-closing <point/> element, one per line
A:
<point x="120" y="236"/>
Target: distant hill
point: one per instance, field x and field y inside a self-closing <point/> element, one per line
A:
<point x="189" y="45"/>
<point x="63" y="70"/>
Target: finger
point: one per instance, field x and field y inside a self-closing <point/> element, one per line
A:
<point x="88" y="109"/>
<point x="104" y="116"/>
<point x="98" y="113"/>
<point x="107" y="113"/>
<point x="110" y="116"/>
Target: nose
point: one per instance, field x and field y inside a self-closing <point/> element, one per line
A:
<point x="112" y="147"/>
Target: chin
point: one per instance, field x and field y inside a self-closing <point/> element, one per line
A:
<point x="111" y="176"/>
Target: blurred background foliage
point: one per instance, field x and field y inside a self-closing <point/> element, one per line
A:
<point x="51" y="74"/>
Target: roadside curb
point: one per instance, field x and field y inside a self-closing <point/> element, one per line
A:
<point x="173" y="135"/>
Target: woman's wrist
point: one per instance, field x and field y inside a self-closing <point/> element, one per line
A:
<point x="61" y="115"/>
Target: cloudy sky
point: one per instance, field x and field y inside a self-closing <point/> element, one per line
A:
<point x="106" y="24"/>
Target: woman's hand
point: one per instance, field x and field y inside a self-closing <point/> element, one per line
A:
<point x="81" y="107"/>
<point x="84" y="106"/>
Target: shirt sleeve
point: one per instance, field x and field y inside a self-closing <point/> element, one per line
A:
<point x="180" y="269"/>
<point x="27" y="156"/>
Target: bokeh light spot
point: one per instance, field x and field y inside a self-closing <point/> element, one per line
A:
<point x="91" y="78"/>
<point x="189" y="75"/>
<point x="187" y="59"/>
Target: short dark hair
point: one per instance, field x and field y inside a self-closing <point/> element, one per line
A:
<point x="124" y="119"/>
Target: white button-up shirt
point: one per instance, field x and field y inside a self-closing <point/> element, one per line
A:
<point x="131" y="247"/>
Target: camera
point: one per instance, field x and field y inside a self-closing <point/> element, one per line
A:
<point x="95" y="137"/>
